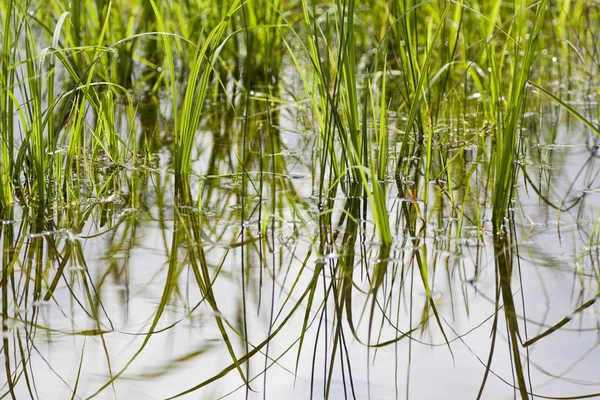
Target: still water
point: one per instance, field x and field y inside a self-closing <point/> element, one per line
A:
<point x="137" y="295"/>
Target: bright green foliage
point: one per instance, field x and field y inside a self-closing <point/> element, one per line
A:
<point x="109" y="103"/>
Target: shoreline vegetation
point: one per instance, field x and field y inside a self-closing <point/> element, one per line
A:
<point x="305" y="178"/>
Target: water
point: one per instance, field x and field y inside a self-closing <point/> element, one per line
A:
<point x="123" y="276"/>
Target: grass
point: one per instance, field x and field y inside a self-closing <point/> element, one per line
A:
<point x="410" y="120"/>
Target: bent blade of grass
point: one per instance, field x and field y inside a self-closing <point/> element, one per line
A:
<point x="51" y="72"/>
<point x="567" y="107"/>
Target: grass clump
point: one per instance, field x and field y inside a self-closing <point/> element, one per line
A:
<point x="330" y="160"/>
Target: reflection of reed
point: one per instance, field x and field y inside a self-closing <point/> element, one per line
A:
<point x="504" y="264"/>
